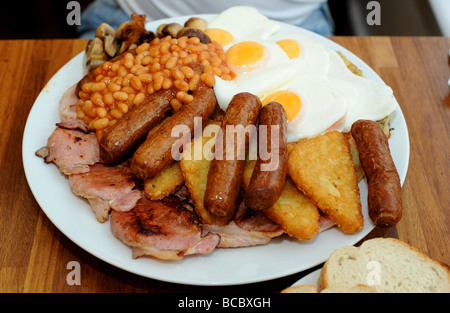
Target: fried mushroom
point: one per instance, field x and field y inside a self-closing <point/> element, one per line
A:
<point x="172" y="30"/>
<point x="197" y="23"/>
<point x="108" y="35"/>
<point x="194" y="32"/>
<point x="94" y="54"/>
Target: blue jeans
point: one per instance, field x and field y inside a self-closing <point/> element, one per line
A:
<point x="98" y="12"/>
<point x="108" y="11"/>
<point x="320" y="21"/>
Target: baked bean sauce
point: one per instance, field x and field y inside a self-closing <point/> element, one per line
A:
<point x="159" y="65"/>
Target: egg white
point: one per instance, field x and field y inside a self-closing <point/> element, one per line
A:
<point x="313" y="59"/>
<point x="322" y="105"/>
<point x="244" y="22"/>
<point x="367" y="99"/>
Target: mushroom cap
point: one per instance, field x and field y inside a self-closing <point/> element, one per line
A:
<point x="194" y="32"/>
<point x="196" y="22"/>
<point x="105" y="30"/>
<point x="171" y="29"/>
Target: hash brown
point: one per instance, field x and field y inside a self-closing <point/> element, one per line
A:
<point x="164" y="183"/>
<point x="322" y="167"/>
<point x="293" y="211"/>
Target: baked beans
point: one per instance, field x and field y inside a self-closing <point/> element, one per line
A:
<point x="162" y="64"/>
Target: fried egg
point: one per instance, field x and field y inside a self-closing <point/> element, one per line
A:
<point x="259" y="65"/>
<point x="240" y="23"/>
<point x="306" y="55"/>
<point x="324" y="94"/>
<point x="367" y="99"/>
<point x="310" y="80"/>
<point x="312" y="106"/>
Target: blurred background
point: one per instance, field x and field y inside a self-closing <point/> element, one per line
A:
<point x="47" y="18"/>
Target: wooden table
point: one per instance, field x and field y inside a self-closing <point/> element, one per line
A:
<point x="34" y="254"/>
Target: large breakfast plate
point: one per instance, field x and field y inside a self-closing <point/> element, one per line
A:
<point x="74" y="217"/>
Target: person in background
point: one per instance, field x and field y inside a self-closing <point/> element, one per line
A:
<point x="313" y="15"/>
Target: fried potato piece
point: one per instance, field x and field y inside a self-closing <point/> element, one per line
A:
<point x="322" y="167"/>
<point x="194" y="165"/>
<point x="355" y="155"/>
<point x="293" y="211"/>
<point x="290" y="146"/>
<point x="165" y="183"/>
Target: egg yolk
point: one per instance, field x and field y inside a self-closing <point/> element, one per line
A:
<point x="245" y="56"/>
<point x="220" y="35"/>
<point x="290" y="101"/>
<point x="291" y="47"/>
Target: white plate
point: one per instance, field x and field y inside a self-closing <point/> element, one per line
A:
<point x="310" y="279"/>
<point x="73" y="216"/>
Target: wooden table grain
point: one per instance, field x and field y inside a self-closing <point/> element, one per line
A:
<point x="34" y="254"/>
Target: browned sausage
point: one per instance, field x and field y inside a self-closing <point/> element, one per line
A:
<point x="134" y="126"/>
<point x="268" y="177"/>
<point x="224" y="180"/>
<point x="156" y="151"/>
<point x="385" y="192"/>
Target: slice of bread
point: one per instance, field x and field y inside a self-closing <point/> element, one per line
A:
<point x="360" y="288"/>
<point x="300" y="289"/>
<point x="387" y="265"/>
<point x="312" y="289"/>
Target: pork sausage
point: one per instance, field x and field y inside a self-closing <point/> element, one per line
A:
<point x="134" y="126"/>
<point x="269" y="175"/>
<point x="384" y="189"/>
<point x="156" y="151"/>
<point x="224" y="180"/>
